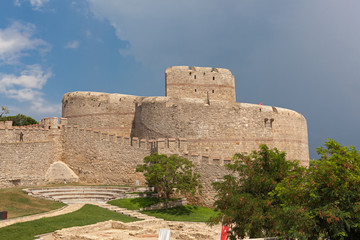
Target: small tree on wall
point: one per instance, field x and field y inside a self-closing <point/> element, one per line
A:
<point x="169" y="174"/>
<point x="4" y="111"/>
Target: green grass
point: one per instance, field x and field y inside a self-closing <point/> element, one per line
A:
<point x="88" y="214"/>
<point x="185" y="213"/>
<point x="135" y="203"/>
<point x="17" y="203"/>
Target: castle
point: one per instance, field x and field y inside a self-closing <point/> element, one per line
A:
<point x="102" y="137"/>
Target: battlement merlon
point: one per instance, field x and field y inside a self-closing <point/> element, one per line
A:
<point x="200" y="82"/>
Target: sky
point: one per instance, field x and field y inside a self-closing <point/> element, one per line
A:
<point x="302" y="55"/>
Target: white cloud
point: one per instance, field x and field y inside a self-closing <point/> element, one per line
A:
<point x="38" y="3"/>
<point x="17" y="3"/>
<point x="73" y="44"/>
<point x="35" y="4"/>
<point x="16" y="40"/>
<point x="26" y="87"/>
<point x="43" y="107"/>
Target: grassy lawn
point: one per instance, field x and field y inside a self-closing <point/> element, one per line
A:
<point x="89" y="214"/>
<point x="185" y="213"/>
<point x="17" y="203"/>
<point x="135" y="203"/>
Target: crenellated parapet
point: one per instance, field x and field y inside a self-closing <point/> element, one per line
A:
<point x="160" y="145"/>
<point x="53" y="123"/>
<point x="167" y="146"/>
<point x="205" y="83"/>
<point x="46" y="130"/>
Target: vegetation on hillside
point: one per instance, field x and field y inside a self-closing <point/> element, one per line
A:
<point x="19" y="120"/>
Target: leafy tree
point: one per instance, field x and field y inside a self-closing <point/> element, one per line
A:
<point x="243" y="196"/>
<point x="19" y="120"/>
<point x="169" y="174"/>
<point x="323" y="201"/>
<point x="4" y="111"/>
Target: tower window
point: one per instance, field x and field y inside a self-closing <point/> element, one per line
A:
<point x="213" y="91"/>
<point x="194" y="76"/>
<point x="195" y="89"/>
<point x="204" y="74"/>
<point x="213" y="78"/>
<point x="190" y="73"/>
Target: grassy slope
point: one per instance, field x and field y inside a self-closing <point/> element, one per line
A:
<point x="18" y="203"/>
<point x="186" y="213"/>
<point x="89" y="214"/>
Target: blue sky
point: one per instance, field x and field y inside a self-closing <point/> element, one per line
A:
<point x="302" y="55"/>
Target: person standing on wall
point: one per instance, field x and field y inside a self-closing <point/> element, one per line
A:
<point x="21" y="137"/>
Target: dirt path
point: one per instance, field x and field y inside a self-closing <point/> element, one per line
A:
<point x="61" y="211"/>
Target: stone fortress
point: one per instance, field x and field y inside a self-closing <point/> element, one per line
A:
<point x="102" y="137"/>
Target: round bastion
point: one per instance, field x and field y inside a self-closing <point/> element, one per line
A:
<point x="200" y="106"/>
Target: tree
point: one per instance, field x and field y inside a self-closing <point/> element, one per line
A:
<point x="4" y="110"/>
<point x="19" y="120"/>
<point x="169" y="174"/>
<point x="325" y="197"/>
<point x="243" y="196"/>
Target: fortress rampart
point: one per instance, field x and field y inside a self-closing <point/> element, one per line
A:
<point x="223" y="129"/>
<point x="102" y="137"/>
<point x="102" y="111"/>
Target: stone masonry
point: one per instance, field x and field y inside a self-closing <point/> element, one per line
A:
<point x="102" y="137"/>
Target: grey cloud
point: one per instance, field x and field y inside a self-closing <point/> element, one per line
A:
<point x="303" y="55"/>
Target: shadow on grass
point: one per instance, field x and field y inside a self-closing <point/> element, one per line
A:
<point x="177" y="211"/>
<point x="187" y="213"/>
<point x="145" y="202"/>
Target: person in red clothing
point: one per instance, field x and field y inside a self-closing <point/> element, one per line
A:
<point x="225" y="231"/>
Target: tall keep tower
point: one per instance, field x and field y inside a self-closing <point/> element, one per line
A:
<point x="200" y="82"/>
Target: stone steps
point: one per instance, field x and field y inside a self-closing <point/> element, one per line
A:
<point x="81" y="194"/>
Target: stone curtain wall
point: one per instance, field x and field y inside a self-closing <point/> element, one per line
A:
<point x="103" y="158"/>
<point x="26" y="163"/>
<point x="113" y="113"/>
<point x="200" y="82"/>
